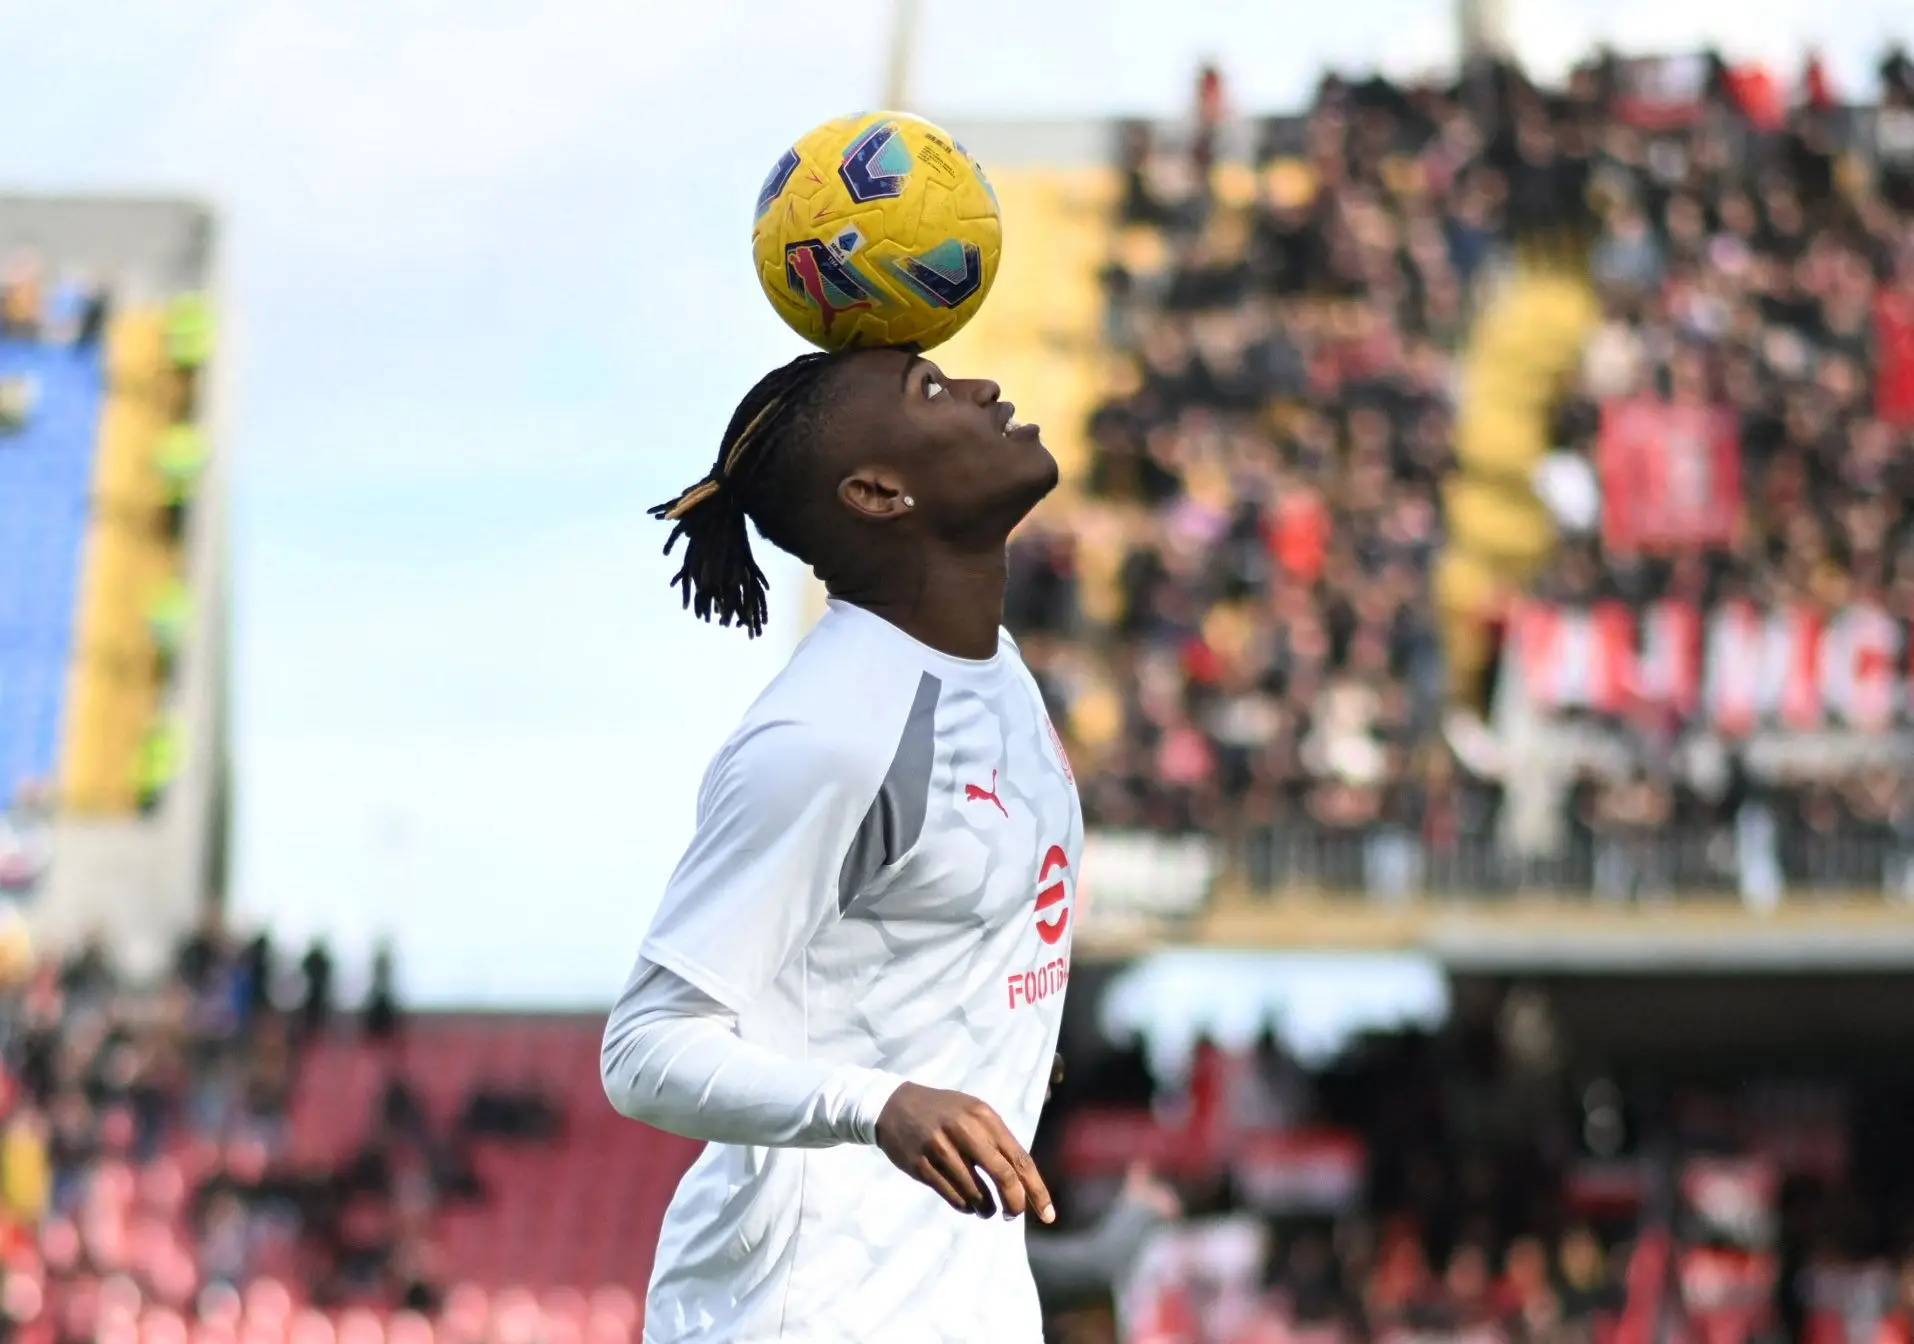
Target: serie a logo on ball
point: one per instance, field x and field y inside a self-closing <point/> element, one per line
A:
<point x="877" y="229"/>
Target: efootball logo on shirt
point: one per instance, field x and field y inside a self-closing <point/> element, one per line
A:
<point x="1053" y="896"/>
<point x="1054" y="884"/>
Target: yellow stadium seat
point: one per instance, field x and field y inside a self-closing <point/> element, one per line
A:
<point x="124" y="475"/>
<point x="136" y="348"/>
<point x="1522" y="351"/>
<point x="1235" y="186"/>
<point x="1507" y="525"/>
<point x="1289" y="183"/>
<point x="1038" y="335"/>
<point x="1141" y="250"/>
<point x="113" y="687"/>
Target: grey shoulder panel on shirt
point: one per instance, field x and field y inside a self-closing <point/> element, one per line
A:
<point x="896" y="816"/>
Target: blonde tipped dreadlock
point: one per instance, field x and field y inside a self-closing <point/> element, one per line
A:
<point x="719" y="578"/>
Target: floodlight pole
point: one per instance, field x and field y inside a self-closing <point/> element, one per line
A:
<point x="1483" y="29"/>
<point x="904" y="15"/>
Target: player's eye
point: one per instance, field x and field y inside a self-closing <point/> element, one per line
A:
<point x="932" y="389"/>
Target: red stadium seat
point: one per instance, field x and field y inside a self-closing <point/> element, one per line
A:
<point x="219" y="1305"/>
<point x="22" y="1298"/>
<point x="357" y="1325"/>
<point x="311" y="1327"/>
<point x="609" y="1327"/>
<point x="566" y="1304"/>
<point x="617" y="1302"/>
<point x="162" y="1325"/>
<point x="268" y="1303"/>
<point x="467" y="1310"/>
<point x="120" y="1296"/>
<point x="163" y="1188"/>
<point x="60" y="1243"/>
<point x="516" y="1318"/>
<point x="408" y="1327"/>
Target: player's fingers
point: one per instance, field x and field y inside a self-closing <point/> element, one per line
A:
<point x="956" y="1167"/>
<point x="1003" y="1173"/>
<point x="1034" y="1189"/>
<point x="1036" y="1194"/>
<point x="927" y="1173"/>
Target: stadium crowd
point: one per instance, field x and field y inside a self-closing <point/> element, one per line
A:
<point x="1760" y="261"/>
<point x="1263" y="663"/>
<point x="1269" y="652"/>
<point x="1503" y="1200"/>
<point x="146" y="1180"/>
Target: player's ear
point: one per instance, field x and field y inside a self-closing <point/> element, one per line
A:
<point x="876" y="493"/>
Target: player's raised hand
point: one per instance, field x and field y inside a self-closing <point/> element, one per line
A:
<point x="945" y="1138"/>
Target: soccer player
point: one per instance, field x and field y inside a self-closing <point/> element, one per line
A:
<point x="857" y="969"/>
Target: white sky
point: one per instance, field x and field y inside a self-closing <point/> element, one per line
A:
<point x="487" y="286"/>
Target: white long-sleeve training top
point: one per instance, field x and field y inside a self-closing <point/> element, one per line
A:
<point x="673" y="1058"/>
<point x="881" y="886"/>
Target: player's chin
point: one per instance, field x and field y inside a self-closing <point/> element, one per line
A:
<point x="1036" y="472"/>
<point x="1047" y="470"/>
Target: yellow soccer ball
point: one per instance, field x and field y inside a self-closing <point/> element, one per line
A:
<point x="877" y="229"/>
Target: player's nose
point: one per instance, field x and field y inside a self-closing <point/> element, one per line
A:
<point x="984" y="392"/>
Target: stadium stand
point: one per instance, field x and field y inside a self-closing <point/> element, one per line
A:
<point x="1326" y="559"/>
<point x="188" y="1160"/>
<point x="1510" y="494"/>
<point x="46" y="473"/>
<point x="1358" y="390"/>
<point x="99" y="525"/>
<point x="1044" y="316"/>
<point x="569" y="1214"/>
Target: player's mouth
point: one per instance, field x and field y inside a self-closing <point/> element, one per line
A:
<point x="1009" y="425"/>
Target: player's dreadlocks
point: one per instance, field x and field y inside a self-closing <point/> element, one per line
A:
<point x="751" y="479"/>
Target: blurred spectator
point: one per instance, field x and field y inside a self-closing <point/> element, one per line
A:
<point x="18" y="396"/>
<point x="382" y="1000"/>
<point x="497" y="1110"/>
<point x="1072" y="1266"/>
<point x="315" y="1007"/>
<point x="169" y="613"/>
<point x="26" y="843"/>
<point x="21" y="297"/>
<point x="160" y="757"/>
<point x="179" y="456"/>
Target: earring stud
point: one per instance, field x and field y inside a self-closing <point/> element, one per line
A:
<point x="909" y="503"/>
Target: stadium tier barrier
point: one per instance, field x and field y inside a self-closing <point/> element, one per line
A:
<point x="1755" y="858"/>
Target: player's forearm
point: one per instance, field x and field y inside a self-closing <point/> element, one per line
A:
<point x="672" y="1058"/>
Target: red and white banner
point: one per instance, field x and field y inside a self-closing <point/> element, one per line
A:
<point x="1661" y="92"/>
<point x="1277" y="1169"/>
<point x="1894" y="356"/>
<point x="1300" y="1171"/>
<point x="1732" y="1199"/>
<point x="1670" y="474"/>
<point x="1739" y="668"/>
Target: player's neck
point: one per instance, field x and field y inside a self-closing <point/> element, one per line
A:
<point x="953" y="603"/>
